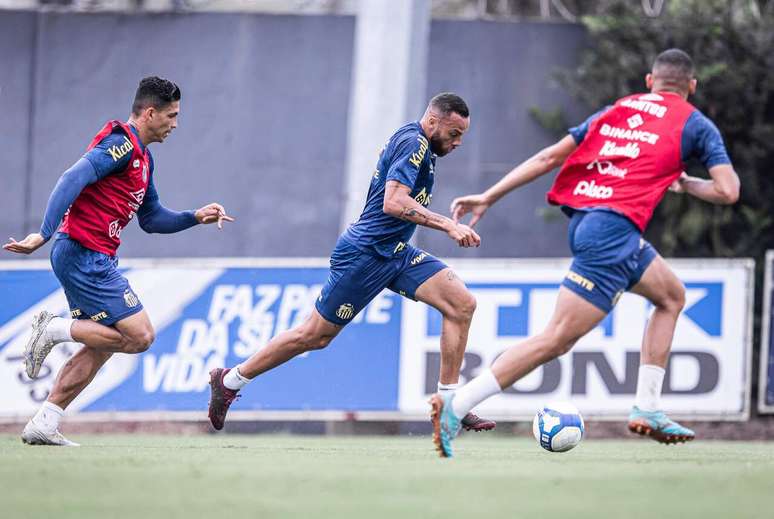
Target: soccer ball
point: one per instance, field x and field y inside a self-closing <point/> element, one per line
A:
<point x="558" y="427"/>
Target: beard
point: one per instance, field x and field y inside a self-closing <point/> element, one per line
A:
<point x="437" y="147"/>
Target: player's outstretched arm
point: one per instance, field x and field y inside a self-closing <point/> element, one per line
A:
<point x="26" y="246"/>
<point x="722" y="189"/>
<point x="212" y="213"/>
<point x="155" y="218"/>
<point x="536" y="166"/>
<point x="398" y="203"/>
<point x="67" y="189"/>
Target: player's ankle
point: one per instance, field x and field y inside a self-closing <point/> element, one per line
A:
<point x="59" y="329"/>
<point x="234" y="380"/>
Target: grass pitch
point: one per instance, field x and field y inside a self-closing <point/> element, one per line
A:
<point x="225" y="476"/>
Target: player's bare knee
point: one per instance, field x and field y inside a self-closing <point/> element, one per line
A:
<point x="467" y="306"/>
<point x="559" y="340"/>
<point x="308" y="339"/>
<point x="141" y="342"/>
<point x="673" y="300"/>
<point x="323" y="341"/>
<point x="462" y="308"/>
<point x="677" y="298"/>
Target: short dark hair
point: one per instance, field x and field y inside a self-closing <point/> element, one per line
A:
<point x="156" y="92"/>
<point x="447" y="103"/>
<point x="674" y="65"/>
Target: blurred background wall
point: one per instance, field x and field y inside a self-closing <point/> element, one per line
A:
<point x="263" y="125"/>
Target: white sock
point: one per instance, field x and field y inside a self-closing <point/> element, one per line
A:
<point x="448" y="388"/>
<point x="649" y="382"/>
<point x="234" y="380"/>
<point x="475" y="392"/>
<point x="59" y="329"/>
<point x="48" y="416"/>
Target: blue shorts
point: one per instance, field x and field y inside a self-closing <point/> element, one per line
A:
<point x="356" y="277"/>
<point x="94" y="287"/>
<point x="609" y="256"/>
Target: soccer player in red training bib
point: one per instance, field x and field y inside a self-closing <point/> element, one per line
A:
<point x="97" y="197"/>
<point x="616" y="167"/>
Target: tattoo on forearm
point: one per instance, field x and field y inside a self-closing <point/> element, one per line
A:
<point x="408" y="212"/>
<point x="451" y="276"/>
<point x="414" y="215"/>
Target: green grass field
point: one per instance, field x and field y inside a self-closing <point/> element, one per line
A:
<point x="263" y="476"/>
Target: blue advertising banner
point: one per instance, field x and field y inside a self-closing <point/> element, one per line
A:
<point x="210" y="313"/>
<point x="208" y="317"/>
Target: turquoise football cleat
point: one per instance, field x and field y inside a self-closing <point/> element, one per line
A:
<point x="658" y="426"/>
<point x="446" y="425"/>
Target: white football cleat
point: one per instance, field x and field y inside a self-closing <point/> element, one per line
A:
<point x="33" y="435"/>
<point x="39" y="345"/>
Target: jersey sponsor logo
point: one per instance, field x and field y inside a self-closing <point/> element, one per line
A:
<point x="580" y="280"/>
<point x="423" y="197"/>
<point x="634" y="121"/>
<point x="130" y="299"/>
<point x="605" y="167"/>
<point x="612" y="149"/>
<point x="98" y="317"/>
<point x="418" y="156"/>
<point x="114" y="229"/>
<point x="399" y="247"/>
<point x="116" y="152"/>
<point x="138" y="195"/>
<point x="74" y="314"/>
<point x="630" y="135"/>
<point x="647" y="107"/>
<point x="136" y="163"/>
<point x="418" y="259"/>
<point x="592" y="190"/>
<point x="346" y="312"/>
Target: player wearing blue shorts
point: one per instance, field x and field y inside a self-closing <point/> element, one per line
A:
<point x="616" y="167"/>
<point x="374" y="253"/>
<point x="94" y="200"/>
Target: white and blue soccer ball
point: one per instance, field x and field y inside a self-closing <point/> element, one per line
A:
<point x="558" y="427"/>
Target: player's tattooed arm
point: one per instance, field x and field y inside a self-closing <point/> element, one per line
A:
<point x="399" y="203"/>
<point x="422" y="216"/>
<point x="536" y="166"/>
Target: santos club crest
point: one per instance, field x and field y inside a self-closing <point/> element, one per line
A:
<point x="346" y="312"/>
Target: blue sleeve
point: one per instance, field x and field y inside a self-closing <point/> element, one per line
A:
<point x="111" y="155"/>
<point x="579" y="132"/>
<point x="701" y="139"/>
<point x="155" y="218"/>
<point x="407" y="160"/>
<point x="67" y="189"/>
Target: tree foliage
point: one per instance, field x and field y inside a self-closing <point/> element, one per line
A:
<point x="732" y="43"/>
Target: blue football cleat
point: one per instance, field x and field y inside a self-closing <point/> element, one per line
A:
<point x="658" y="426"/>
<point x="446" y="425"/>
